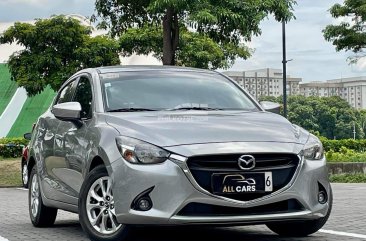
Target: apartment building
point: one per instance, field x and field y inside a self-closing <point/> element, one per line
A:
<point x="265" y="82"/>
<point x="353" y="90"/>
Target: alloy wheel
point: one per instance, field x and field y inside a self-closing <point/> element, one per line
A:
<point x="100" y="207"/>
<point x="34" y="195"/>
<point x="25" y="174"/>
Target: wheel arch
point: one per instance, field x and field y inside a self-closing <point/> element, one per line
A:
<point x="31" y="164"/>
<point x="96" y="161"/>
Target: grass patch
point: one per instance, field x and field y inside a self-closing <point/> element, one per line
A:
<point x="9" y="159"/>
<point x="10" y="173"/>
<point x="348" y="178"/>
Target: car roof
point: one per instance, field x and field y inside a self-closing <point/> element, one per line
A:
<point x="128" y="68"/>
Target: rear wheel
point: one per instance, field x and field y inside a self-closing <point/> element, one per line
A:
<point x="304" y="228"/>
<point x="96" y="208"/>
<point x="25" y="174"/>
<point x="41" y="216"/>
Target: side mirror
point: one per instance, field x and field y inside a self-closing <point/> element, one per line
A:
<point x="67" y="111"/>
<point x="27" y="136"/>
<point x="271" y="106"/>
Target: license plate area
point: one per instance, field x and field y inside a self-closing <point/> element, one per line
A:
<point x="241" y="183"/>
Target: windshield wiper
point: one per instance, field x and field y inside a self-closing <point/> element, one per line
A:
<point x="194" y="108"/>
<point x="131" y="110"/>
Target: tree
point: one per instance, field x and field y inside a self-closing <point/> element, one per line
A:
<point x="331" y="117"/>
<point x="54" y="49"/>
<point x="199" y="33"/>
<point x="350" y="34"/>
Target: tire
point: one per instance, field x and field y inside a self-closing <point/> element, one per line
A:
<point x="40" y="215"/>
<point x="25" y="178"/>
<point x="96" y="208"/>
<point x="304" y="228"/>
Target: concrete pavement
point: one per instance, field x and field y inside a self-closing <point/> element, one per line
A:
<point x="347" y="222"/>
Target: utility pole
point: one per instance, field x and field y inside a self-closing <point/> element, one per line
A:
<point x="354" y="131"/>
<point x="284" y="62"/>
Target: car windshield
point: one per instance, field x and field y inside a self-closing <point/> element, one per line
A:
<point x="168" y="90"/>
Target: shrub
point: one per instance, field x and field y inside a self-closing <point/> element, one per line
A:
<point x="15" y="141"/>
<point x="12" y="147"/>
<point x="336" y="145"/>
<point x="345" y="155"/>
<point x="11" y="150"/>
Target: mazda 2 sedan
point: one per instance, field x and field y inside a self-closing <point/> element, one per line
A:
<point x="132" y="146"/>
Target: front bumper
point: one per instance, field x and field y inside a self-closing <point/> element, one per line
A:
<point x="174" y="188"/>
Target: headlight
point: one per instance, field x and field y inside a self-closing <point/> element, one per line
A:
<point x="313" y="149"/>
<point x="139" y="152"/>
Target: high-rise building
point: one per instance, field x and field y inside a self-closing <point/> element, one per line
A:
<point x="353" y="90"/>
<point x="265" y="82"/>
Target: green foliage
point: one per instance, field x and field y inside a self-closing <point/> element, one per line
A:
<point x="348" y="178"/>
<point x="55" y="49"/>
<point x="11" y="151"/>
<point x="270" y="98"/>
<point x="339" y="145"/>
<point x="331" y="117"/>
<point x="12" y="147"/>
<point x="14" y="141"/>
<point x="198" y="33"/>
<point x="345" y="155"/>
<point x="350" y="34"/>
<point x="195" y="50"/>
<point x="346" y="150"/>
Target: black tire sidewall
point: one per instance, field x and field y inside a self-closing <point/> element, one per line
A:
<point x="46" y="216"/>
<point x="121" y="234"/>
<point x="35" y="220"/>
<point x="305" y="228"/>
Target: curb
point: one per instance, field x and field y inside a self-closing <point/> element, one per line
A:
<point x="4" y="187"/>
<point x="346" y="167"/>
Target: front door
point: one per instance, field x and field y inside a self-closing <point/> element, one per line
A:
<point x="73" y="145"/>
<point x="49" y="159"/>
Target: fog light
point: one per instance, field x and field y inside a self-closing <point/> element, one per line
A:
<point x="144" y="204"/>
<point x="322" y="197"/>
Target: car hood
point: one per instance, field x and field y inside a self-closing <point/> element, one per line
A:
<point x="196" y="127"/>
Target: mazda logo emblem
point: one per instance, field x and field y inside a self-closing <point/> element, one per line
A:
<point x="246" y="162"/>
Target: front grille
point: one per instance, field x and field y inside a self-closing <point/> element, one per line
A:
<point x="282" y="166"/>
<point x="207" y="210"/>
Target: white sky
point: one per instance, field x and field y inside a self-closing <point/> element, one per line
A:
<point x="313" y="57"/>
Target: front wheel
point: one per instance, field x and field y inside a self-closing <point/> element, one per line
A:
<point x="304" y="228"/>
<point x="96" y="208"/>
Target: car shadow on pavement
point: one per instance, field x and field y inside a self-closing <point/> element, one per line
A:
<point x="188" y="233"/>
<point x="207" y="233"/>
